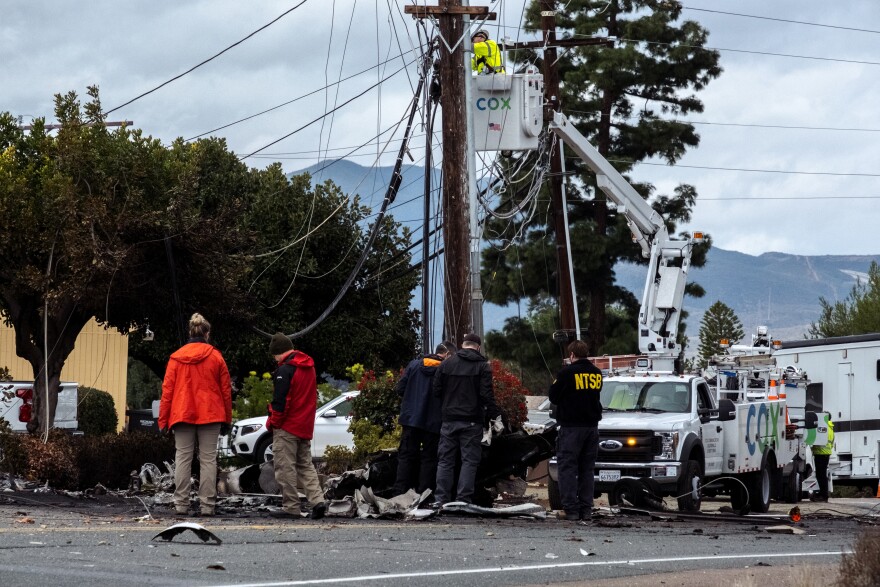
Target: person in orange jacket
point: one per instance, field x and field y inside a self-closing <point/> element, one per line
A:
<point x="197" y="406"/>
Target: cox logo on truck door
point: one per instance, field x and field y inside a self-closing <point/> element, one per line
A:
<point x="762" y="424"/>
<point x="493" y="103"/>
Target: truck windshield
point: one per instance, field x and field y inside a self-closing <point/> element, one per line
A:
<point x="654" y="396"/>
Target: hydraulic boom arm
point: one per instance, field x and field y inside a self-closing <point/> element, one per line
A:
<point x="664" y="286"/>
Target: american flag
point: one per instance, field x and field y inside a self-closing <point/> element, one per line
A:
<point x="494" y="126"/>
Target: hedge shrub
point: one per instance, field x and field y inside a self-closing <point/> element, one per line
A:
<point x="96" y="412"/>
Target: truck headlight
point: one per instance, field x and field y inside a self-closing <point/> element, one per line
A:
<point x="668" y="446"/>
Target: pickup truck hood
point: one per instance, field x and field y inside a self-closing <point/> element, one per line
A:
<point x="641" y="421"/>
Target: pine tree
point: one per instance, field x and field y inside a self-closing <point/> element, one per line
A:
<point x="626" y="100"/>
<point x="859" y="313"/>
<point x="718" y="322"/>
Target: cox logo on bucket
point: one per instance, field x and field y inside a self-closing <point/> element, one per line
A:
<point x="493" y="103"/>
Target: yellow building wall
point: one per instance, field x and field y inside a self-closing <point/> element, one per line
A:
<point x="99" y="360"/>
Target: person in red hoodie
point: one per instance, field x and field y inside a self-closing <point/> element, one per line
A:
<point x="196" y="404"/>
<point x="292" y="422"/>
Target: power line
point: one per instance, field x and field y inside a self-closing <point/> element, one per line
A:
<point x="742" y="124"/>
<point x="790" y="198"/>
<point x="816" y="24"/>
<point x="290" y="134"/>
<point x="313" y="92"/>
<point x="745" y="169"/>
<point x="193" y="68"/>
<point x="706" y="48"/>
<point x="749" y="198"/>
<point x="768" y="53"/>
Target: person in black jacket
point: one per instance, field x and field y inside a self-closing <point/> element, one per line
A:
<point x="464" y="384"/>
<point x="420" y="420"/>
<point x="578" y="411"/>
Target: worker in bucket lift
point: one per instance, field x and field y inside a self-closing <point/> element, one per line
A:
<point x="487" y="57"/>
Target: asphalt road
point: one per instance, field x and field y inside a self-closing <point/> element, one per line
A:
<point x="63" y="542"/>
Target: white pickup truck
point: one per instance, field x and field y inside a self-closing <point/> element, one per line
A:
<point x="746" y="435"/>
<point x="17" y="404"/>
<point x="673" y="434"/>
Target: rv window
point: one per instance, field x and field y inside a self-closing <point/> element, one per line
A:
<point x="878" y="369"/>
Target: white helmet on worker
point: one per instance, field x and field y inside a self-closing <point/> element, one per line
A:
<point x="481" y="33"/>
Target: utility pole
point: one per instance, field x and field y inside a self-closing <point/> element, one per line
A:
<point x="553" y="103"/>
<point x="457" y="302"/>
<point x="569" y="322"/>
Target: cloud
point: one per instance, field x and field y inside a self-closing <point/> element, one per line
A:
<point x="128" y="47"/>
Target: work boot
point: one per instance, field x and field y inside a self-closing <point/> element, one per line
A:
<point x="568" y="516"/>
<point x="318" y="511"/>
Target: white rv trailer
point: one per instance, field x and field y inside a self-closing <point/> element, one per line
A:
<point x="845" y="381"/>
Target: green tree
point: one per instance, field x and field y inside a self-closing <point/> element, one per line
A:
<point x="859" y="313"/>
<point x="309" y="241"/>
<point x="118" y="227"/>
<point x="718" y="322"/>
<point x="624" y="99"/>
<point x="84" y="217"/>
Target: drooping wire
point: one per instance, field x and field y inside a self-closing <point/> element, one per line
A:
<point x="389" y="198"/>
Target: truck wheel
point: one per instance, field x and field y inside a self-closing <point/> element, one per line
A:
<point x="626" y="493"/>
<point x="687" y="503"/>
<point x="793" y="485"/>
<point x="759" y="491"/>
<point x="739" y="495"/>
<point x="263" y="451"/>
<point x="553" y="494"/>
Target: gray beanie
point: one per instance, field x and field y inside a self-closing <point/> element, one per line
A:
<point x="280" y="344"/>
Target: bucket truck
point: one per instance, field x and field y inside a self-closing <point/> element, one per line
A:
<point x="668" y="433"/>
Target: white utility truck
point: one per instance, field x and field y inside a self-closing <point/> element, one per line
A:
<point x="844" y="375"/>
<point x="671" y="432"/>
<point x="17" y="404"/>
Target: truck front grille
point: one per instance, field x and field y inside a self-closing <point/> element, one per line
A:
<point x="646" y="446"/>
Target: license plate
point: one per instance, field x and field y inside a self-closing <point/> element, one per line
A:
<point x="609" y="476"/>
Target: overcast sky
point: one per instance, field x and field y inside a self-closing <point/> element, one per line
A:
<point x="818" y="192"/>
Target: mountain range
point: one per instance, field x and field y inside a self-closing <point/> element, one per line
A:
<point x="779" y="290"/>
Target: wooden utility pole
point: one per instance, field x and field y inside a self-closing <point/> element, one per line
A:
<point x="457" y="317"/>
<point x="457" y="301"/>
<point x="553" y="103"/>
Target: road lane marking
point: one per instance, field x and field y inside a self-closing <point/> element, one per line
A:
<point x="484" y="570"/>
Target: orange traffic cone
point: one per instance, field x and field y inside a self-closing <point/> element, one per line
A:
<point x="772" y="395"/>
<point x="782" y="392"/>
<point x="878" y="491"/>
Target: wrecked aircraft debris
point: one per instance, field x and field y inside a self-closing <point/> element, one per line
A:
<point x="203" y="533"/>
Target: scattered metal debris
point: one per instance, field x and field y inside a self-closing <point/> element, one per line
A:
<point x="369" y="505"/>
<point x="784" y="530"/>
<point x="530" y="510"/>
<point x="203" y="533"/>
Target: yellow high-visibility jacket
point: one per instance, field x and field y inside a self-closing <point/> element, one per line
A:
<point x="826" y="448"/>
<point x="487" y="55"/>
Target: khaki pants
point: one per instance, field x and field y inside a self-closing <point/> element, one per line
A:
<point x="185" y="436"/>
<point x="293" y="462"/>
